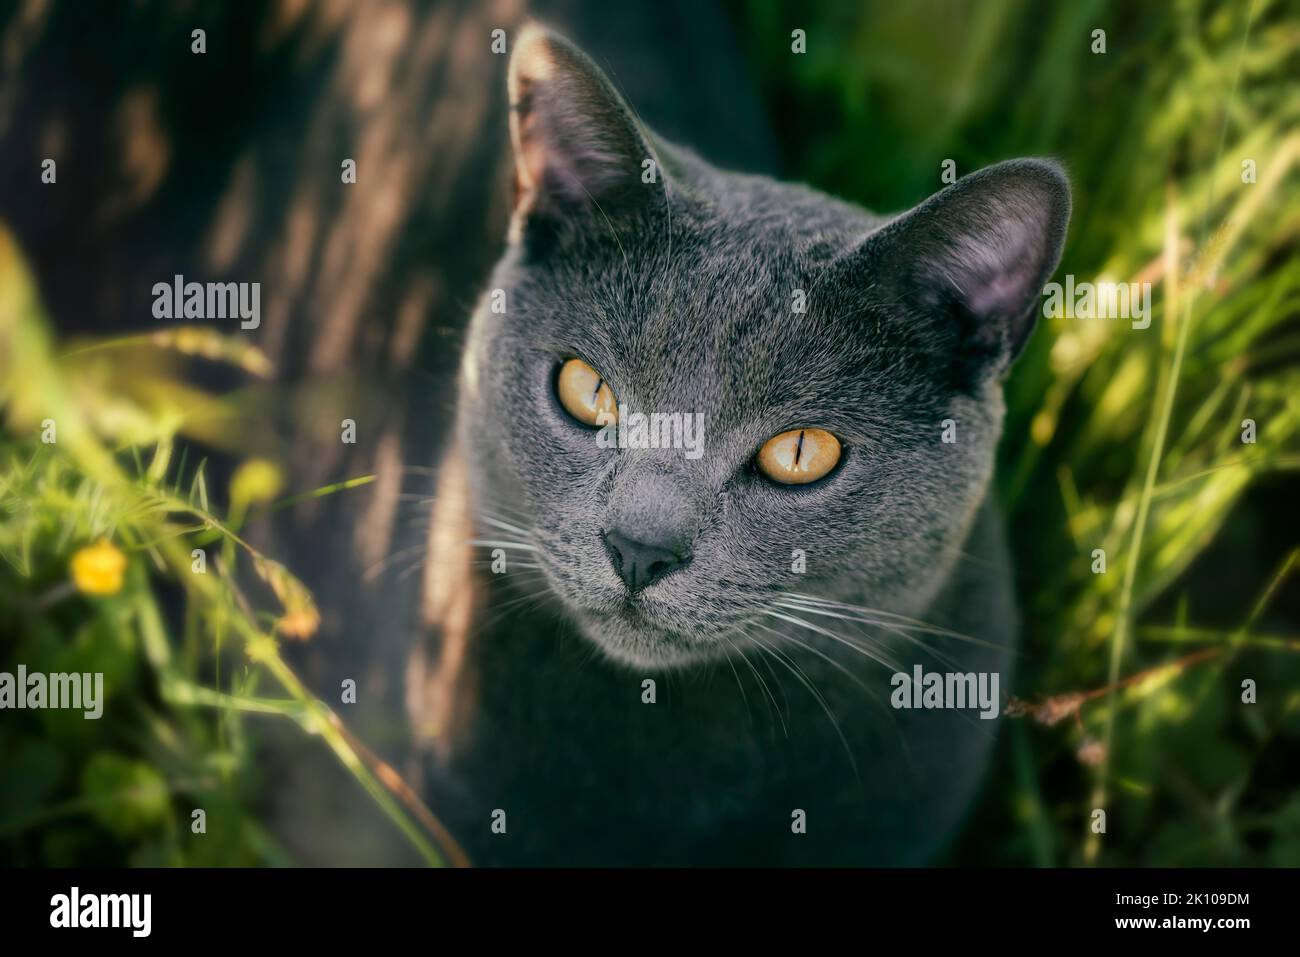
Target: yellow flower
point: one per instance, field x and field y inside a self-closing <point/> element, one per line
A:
<point x="97" y="569"/>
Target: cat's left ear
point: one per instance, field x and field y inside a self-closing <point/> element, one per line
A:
<point x="578" y="148"/>
<point x="978" y="254"/>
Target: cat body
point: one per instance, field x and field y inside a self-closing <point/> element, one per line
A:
<point x="739" y="703"/>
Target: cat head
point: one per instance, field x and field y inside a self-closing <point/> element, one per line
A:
<point x="844" y="371"/>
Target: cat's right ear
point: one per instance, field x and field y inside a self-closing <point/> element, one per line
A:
<point x="578" y="148"/>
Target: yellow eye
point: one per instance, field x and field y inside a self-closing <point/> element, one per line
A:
<point x="585" y="395"/>
<point x="799" y="456"/>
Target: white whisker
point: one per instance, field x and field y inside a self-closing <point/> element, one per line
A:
<point x="809" y="601"/>
<point x="767" y="691"/>
<point x="494" y="543"/>
<point x="887" y="626"/>
<point x="821" y="700"/>
<point x="504" y="526"/>
<point x="834" y="637"/>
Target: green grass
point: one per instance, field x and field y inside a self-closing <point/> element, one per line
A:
<point x="187" y="655"/>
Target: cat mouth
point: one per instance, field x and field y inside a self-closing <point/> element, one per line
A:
<point x="633" y="614"/>
<point x="640" y="643"/>
<point x="634" y="633"/>
<point x="634" y="610"/>
<point x="632" y="628"/>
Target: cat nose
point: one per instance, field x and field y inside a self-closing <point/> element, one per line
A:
<point x="640" y="563"/>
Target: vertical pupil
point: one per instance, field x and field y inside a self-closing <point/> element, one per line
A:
<point x="596" y="391"/>
<point x="798" y="449"/>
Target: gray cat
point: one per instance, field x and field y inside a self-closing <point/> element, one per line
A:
<point x="637" y="655"/>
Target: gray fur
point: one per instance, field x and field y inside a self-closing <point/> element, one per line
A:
<point x="680" y="294"/>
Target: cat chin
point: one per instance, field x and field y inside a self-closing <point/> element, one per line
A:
<point x="644" y="646"/>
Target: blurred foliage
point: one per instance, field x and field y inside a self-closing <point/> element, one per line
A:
<point x="114" y="558"/>
<point x="1117" y="438"/>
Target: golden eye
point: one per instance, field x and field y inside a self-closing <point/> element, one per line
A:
<point x="799" y="456"/>
<point x="585" y="395"/>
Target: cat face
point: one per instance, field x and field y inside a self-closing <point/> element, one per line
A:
<point x="827" y="382"/>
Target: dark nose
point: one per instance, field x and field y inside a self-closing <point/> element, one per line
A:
<point x="640" y="563"/>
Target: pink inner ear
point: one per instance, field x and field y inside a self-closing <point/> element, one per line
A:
<point x="529" y="155"/>
<point x="1001" y="292"/>
<point x="997" y="265"/>
<point x="531" y="67"/>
